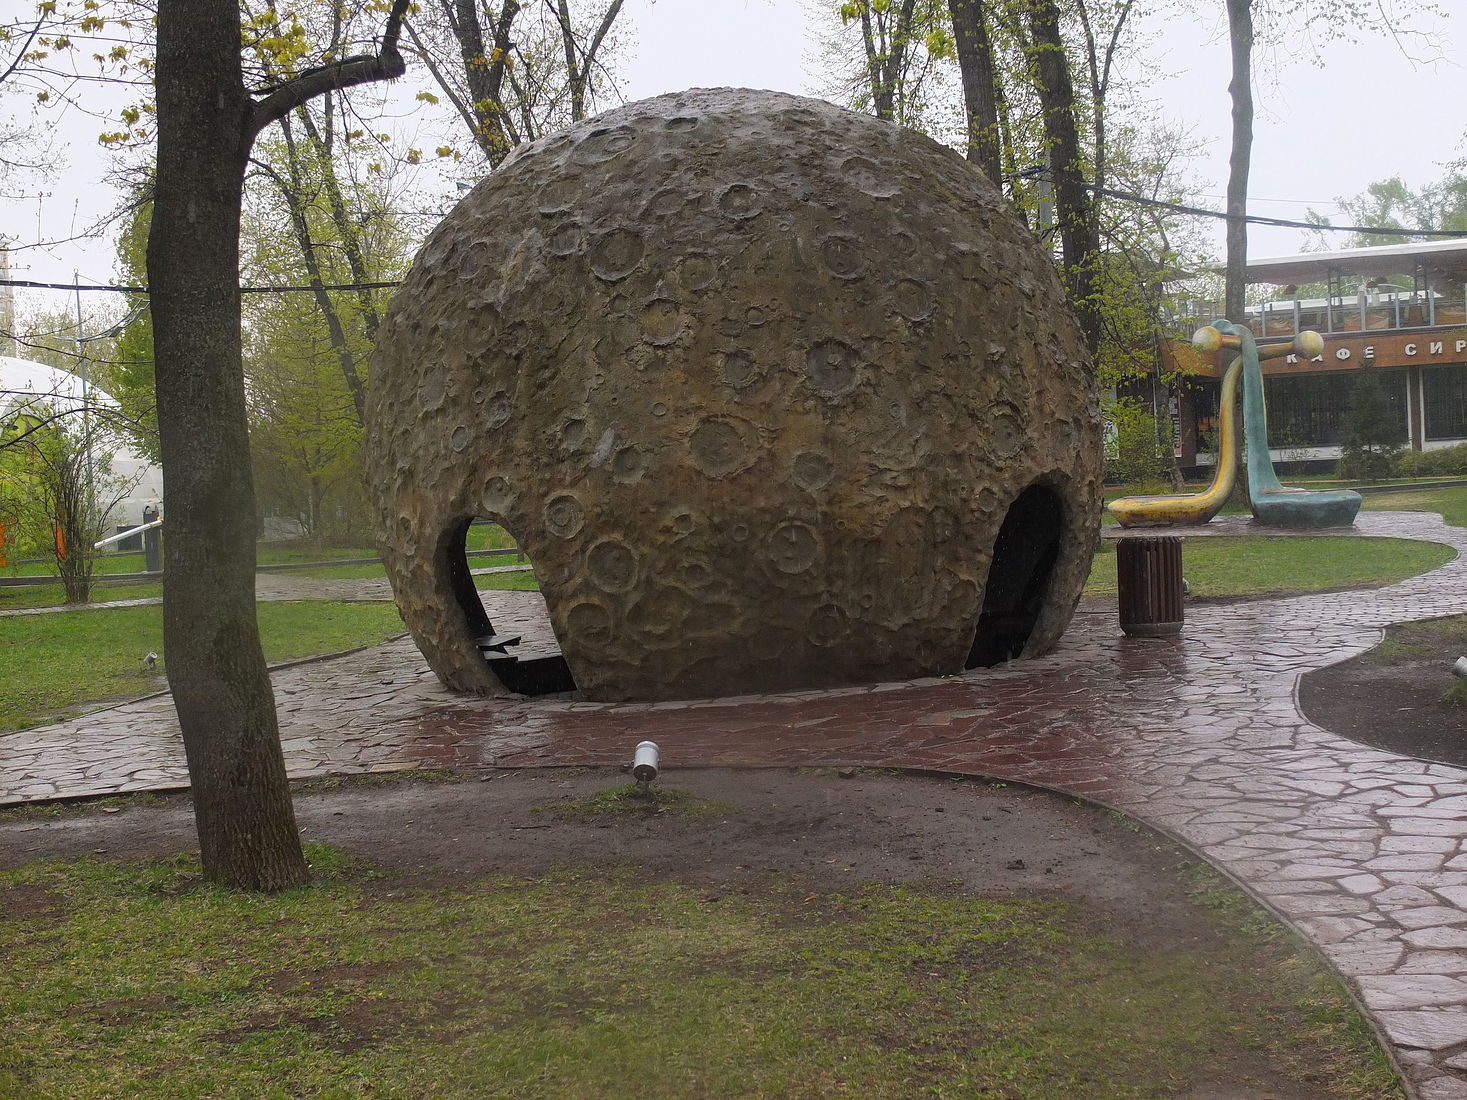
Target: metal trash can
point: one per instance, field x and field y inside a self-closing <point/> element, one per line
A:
<point x="1149" y="580"/>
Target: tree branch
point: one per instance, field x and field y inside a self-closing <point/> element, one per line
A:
<point x="454" y="98"/>
<point x="20" y="53"/>
<point x="596" y="39"/>
<point x="386" y="65"/>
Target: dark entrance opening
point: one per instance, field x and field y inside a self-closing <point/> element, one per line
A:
<point x="1024" y="557"/>
<point x="525" y="669"/>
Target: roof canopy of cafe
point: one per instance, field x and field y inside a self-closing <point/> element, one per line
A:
<point x="1440" y="260"/>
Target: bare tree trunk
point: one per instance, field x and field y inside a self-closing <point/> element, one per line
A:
<point x="975" y="62"/>
<point x="1240" y="36"/>
<point x="246" y="825"/>
<point x="1074" y="207"/>
<point x="485" y="71"/>
<point x="1101" y="63"/>
<point x="580" y="63"/>
<point x="886" y="38"/>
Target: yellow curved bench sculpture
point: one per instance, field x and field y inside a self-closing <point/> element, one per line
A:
<point x="1183" y="509"/>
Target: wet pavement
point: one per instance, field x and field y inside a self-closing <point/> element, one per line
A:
<point x="1363" y="851"/>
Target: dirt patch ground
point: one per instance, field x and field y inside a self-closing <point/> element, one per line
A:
<point x="831" y="830"/>
<point x="1398" y="696"/>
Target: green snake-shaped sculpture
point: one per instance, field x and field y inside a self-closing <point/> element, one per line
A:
<point x="1273" y="504"/>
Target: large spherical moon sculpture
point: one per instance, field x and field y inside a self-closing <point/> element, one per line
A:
<point x="773" y="394"/>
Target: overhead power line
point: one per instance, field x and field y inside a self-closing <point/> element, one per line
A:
<point x="1286" y="223"/>
<point x="1108" y="192"/>
<point x="29" y="284"/>
<point x="1041" y="171"/>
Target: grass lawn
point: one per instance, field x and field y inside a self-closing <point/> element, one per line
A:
<point x="508" y="582"/>
<point x="484" y="536"/>
<point x="1451" y="503"/>
<point x="53" y="595"/>
<point x="105" y="563"/>
<point x="135" y="980"/>
<point x="1221" y="566"/>
<point x="56" y="662"/>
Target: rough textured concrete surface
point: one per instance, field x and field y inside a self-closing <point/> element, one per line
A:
<point x="756" y="382"/>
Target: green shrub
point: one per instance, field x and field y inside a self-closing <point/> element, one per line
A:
<point x="1135" y="453"/>
<point x="1373" y="433"/>
<point x="1444" y="462"/>
<point x="1366" y="464"/>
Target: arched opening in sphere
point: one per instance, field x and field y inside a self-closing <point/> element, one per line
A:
<point x="1024" y="557"/>
<point x="524" y="668"/>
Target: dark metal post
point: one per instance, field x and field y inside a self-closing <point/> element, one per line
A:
<point x="152" y="542"/>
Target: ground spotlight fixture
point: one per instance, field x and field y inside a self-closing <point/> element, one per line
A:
<point x="646" y="763"/>
<point x="1460" y="668"/>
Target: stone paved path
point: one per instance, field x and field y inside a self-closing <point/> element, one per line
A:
<point x="1363" y="851"/>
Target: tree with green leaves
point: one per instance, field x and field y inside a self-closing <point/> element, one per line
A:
<point x="1039" y="95"/>
<point x="57" y="488"/>
<point x="305" y="423"/>
<point x="893" y="59"/>
<point x="131" y="373"/>
<point x="1393" y="205"/>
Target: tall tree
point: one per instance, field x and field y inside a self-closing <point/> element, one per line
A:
<point x="581" y="58"/>
<point x="292" y="187"/>
<point x="886" y="32"/>
<point x="1074" y="203"/>
<point x="305" y="427"/>
<point x="1327" y="20"/>
<point x="1240" y="89"/>
<point x="974" y="49"/>
<point x="207" y="122"/>
<point x="1039" y="91"/>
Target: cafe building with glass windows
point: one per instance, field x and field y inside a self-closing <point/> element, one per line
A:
<point x="1399" y="311"/>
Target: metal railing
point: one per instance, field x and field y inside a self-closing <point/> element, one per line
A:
<point x="1370" y="309"/>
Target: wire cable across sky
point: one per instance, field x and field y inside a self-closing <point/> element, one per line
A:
<point x="1108" y="192"/>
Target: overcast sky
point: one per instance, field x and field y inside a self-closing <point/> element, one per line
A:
<point x="1337" y="118"/>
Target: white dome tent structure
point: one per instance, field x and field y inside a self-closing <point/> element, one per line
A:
<point x="29" y="389"/>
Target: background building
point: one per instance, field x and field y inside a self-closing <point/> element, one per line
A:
<point x="1397" y="310"/>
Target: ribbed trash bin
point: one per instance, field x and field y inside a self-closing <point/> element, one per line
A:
<point x="1149" y="579"/>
